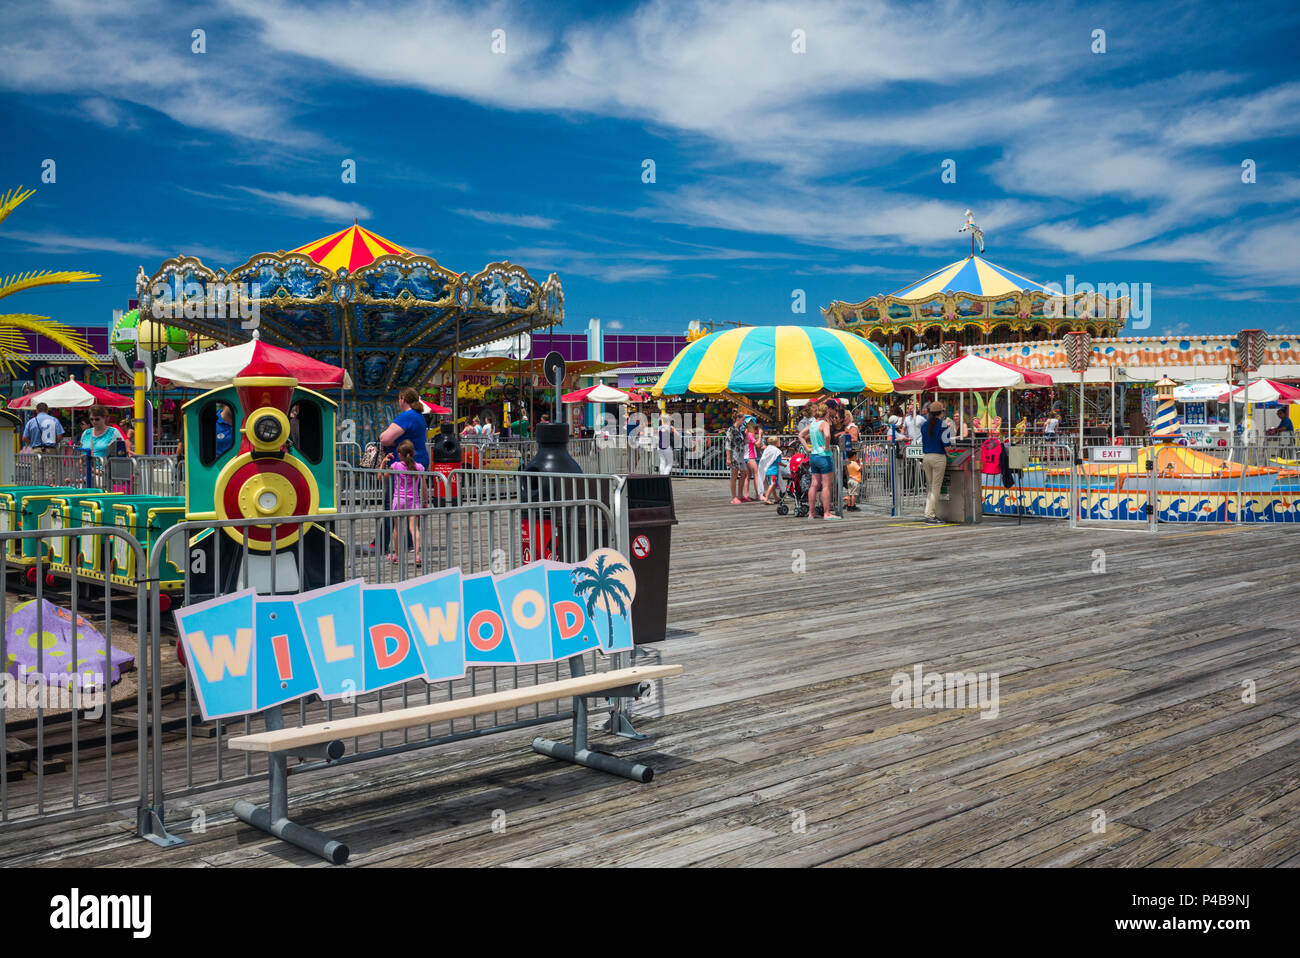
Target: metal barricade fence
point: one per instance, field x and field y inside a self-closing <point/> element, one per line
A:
<point x="876" y="456"/>
<point x="1172" y="483"/>
<point x="64" y="467"/>
<point x="1041" y="490"/>
<point x="348" y="452"/>
<point x="145" y="475"/>
<point x="72" y="742"/>
<point x="522" y="518"/>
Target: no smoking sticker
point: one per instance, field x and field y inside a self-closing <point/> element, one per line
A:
<point x="641" y="546"/>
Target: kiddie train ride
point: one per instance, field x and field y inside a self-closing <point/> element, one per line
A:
<point x="263" y="476"/>
<point x="241" y="468"/>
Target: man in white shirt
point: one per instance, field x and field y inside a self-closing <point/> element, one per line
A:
<point x="913" y="422"/>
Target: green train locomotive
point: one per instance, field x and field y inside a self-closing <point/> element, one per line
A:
<point x="240" y="464"/>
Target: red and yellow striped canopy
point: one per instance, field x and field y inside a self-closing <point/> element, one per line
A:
<point x="350" y="248"/>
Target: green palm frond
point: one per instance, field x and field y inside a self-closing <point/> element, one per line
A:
<point x="45" y="277"/>
<point x="9" y="201"/>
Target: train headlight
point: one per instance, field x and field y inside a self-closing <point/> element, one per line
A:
<point x="266" y="428"/>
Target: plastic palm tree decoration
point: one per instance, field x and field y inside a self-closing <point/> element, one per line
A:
<point x="13" y="344"/>
<point x="602" y="584"/>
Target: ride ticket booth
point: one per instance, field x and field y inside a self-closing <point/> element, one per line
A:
<point x="959" y="496"/>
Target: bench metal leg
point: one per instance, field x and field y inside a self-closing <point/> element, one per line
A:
<point x="276" y="821"/>
<point x="579" y="754"/>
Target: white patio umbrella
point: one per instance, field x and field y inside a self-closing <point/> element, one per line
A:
<point x="1266" y="391"/>
<point x="71" y="395"/>
<point x="600" y="393"/>
<point x="219" y="367"/>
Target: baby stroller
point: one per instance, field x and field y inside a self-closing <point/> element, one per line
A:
<point x="796" y="486"/>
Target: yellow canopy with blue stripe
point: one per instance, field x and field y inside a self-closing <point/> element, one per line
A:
<point x="755" y="360"/>
<point x="974" y="276"/>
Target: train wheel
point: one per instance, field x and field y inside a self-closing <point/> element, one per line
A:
<point x="180" y="655"/>
<point x="31" y="575"/>
<point x="49" y="578"/>
<point x="164" y="602"/>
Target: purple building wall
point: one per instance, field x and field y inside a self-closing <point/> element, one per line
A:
<point x="643" y="350"/>
<point x="97" y="336"/>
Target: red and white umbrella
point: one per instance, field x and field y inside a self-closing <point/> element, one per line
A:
<point x="601" y="393"/>
<point x="219" y="367"/>
<point x="1264" y="391"/>
<point x="971" y="374"/>
<point x="71" y="395"/>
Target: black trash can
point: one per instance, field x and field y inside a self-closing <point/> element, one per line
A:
<point x="650" y="521"/>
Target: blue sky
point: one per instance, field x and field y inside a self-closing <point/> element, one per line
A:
<point x="775" y="170"/>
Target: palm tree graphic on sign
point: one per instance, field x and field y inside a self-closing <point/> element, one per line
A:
<point x="603" y="583"/>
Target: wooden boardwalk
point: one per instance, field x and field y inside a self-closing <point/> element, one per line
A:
<point x="1120" y="704"/>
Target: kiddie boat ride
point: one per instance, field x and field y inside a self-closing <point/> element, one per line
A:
<point x="1183" y="469"/>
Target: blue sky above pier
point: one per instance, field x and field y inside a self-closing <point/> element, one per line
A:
<point x="775" y="171"/>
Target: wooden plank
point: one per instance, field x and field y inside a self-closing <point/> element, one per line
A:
<point x="291" y="738"/>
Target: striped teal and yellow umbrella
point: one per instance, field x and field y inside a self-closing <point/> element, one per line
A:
<point x="755" y="360"/>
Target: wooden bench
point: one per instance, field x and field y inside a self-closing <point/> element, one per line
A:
<point x="324" y="740"/>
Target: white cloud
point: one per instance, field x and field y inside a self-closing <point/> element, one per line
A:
<point x="65" y="243"/>
<point x="845" y="217"/>
<point x="116" y="52"/>
<point x="509" y="219"/>
<point x="1241" y="120"/>
<point x="312" y="207"/>
<point x="103" y="111"/>
<point x="1263" y="253"/>
<point x="54" y="242"/>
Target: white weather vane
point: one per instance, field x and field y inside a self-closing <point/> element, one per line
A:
<point x="977" y="234"/>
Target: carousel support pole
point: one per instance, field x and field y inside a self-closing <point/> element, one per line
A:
<point x="455" y="378"/>
<point x="139" y="408"/>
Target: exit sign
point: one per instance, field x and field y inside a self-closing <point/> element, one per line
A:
<point x="1111" y="453"/>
